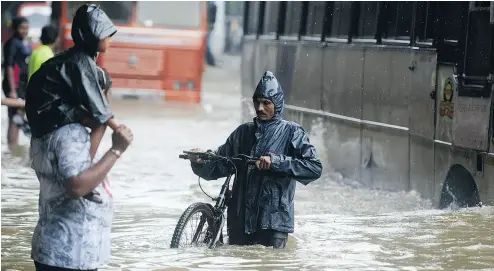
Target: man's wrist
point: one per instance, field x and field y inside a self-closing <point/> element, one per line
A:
<point x="274" y="160"/>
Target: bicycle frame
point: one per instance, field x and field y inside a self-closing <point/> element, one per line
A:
<point x="219" y="209"/>
<point x="221" y="201"/>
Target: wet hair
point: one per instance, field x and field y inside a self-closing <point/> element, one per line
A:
<point x="49" y="35"/>
<point x="104" y="80"/>
<point x="17" y="21"/>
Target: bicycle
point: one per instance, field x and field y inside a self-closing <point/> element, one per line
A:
<point x="213" y="216"/>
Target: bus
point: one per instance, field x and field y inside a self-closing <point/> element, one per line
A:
<point x="400" y="91"/>
<point x="158" y="50"/>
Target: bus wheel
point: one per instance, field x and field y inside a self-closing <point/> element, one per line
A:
<point x="459" y="189"/>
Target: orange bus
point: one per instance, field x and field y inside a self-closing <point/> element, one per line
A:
<point x="159" y="47"/>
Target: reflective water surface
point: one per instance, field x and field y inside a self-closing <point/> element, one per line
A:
<point x="338" y="226"/>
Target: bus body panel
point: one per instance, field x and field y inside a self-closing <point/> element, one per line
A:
<point x="386" y="142"/>
<point x="399" y="99"/>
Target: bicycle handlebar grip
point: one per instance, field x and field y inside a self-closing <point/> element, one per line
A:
<point x="183" y="156"/>
<point x="251" y="162"/>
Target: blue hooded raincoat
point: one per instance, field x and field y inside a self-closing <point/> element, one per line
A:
<point x="264" y="199"/>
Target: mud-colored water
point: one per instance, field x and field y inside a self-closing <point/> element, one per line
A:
<point x="338" y="227"/>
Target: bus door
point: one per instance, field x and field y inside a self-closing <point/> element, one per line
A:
<point x="474" y="77"/>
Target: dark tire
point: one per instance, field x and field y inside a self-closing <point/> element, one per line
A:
<point x="207" y="213"/>
<point x="459" y="189"/>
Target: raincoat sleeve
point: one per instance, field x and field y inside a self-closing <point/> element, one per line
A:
<point x="219" y="169"/>
<point x="84" y="83"/>
<point x="305" y="167"/>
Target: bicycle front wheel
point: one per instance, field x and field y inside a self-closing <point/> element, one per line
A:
<point x="195" y="227"/>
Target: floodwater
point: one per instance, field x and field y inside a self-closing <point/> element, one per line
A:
<point x="338" y="226"/>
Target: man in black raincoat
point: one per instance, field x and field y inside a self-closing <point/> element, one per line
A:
<point x="261" y="210"/>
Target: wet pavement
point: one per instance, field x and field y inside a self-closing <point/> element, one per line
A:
<point x="339" y="226"/>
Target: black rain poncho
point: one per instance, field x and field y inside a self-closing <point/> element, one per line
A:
<point x="65" y="89"/>
<point x="264" y="199"/>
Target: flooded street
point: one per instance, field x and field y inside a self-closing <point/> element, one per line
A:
<point x="338" y="227"/>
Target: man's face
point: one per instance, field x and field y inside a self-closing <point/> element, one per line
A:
<point x="23" y="30"/>
<point x="264" y="108"/>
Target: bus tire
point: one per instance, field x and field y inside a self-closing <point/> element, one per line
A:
<point x="459" y="189"/>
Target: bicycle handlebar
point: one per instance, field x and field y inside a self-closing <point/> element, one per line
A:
<point x="210" y="156"/>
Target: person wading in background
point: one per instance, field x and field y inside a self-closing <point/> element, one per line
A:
<point x="49" y="38"/>
<point x="16" y="52"/>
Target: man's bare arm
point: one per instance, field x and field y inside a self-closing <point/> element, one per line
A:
<point x="89" y="179"/>
<point x="86" y="181"/>
<point x="10" y="78"/>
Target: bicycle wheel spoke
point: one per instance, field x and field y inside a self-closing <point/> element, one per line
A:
<point x="198" y="220"/>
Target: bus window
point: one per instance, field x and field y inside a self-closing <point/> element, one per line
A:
<point x="315" y="19"/>
<point x="341" y="20"/>
<point x="451" y="26"/>
<point x="479" y="46"/>
<point x="425" y="22"/>
<point x="482" y="4"/>
<point x="37" y="15"/>
<point x="451" y="16"/>
<point x="253" y="17"/>
<point x="292" y="18"/>
<point x="118" y="12"/>
<point x="270" y="23"/>
<point x="171" y="14"/>
<point x="367" y="23"/>
<point x="399" y="20"/>
<point x="234" y="8"/>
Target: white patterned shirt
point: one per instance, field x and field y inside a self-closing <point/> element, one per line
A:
<point x="71" y="233"/>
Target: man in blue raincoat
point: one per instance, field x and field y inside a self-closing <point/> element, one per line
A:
<point x="261" y="210"/>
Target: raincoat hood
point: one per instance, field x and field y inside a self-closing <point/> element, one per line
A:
<point x="90" y="25"/>
<point x="269" y="88"/>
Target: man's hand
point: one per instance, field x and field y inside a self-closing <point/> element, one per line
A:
<point x="121" y="138"/>
<point x="13" y="94"/>
<point x="264" y="163"/>
<point x="194" y="158"/>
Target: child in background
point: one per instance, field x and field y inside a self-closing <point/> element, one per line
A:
<point x="49" y="37"/>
